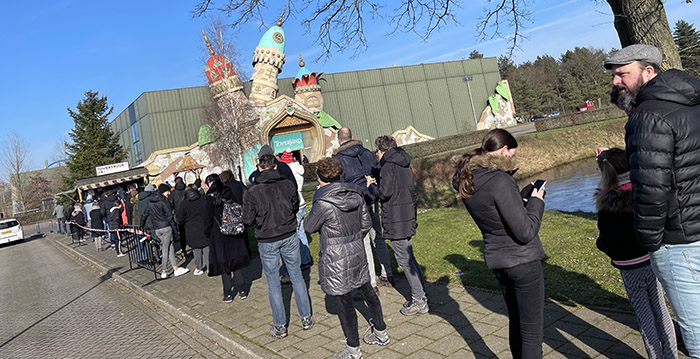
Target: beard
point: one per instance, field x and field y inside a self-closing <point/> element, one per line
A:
<point x="623" y="99"/>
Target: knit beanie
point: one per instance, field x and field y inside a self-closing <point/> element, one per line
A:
<point x="265" y="150"/>
<point x="287" y="156"/>
<point x="162" y="188"/>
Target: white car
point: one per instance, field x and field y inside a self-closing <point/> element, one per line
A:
<point x="10" y="230"/>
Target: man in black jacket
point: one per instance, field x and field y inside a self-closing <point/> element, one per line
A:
<point x="178" y="195"/>
<point x="663" y="142"/>
<point x="282" y="167"/>
<point x="359" y="162"/>
<point x="397" y="194"/>
<point x="271" y="206"/>
<point x="160" y="213"/>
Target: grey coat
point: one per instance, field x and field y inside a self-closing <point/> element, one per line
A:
<point x="340" y="214"/>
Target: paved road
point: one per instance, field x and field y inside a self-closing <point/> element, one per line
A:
<point x="54" y="307"/>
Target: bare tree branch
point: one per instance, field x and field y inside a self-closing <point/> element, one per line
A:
<point x="15" y="161"/>
<point x="513" y="12"/>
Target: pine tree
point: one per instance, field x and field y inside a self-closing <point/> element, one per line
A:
<point x="92" y="142"/>
<point x="687" y="41"/>
<point x="475" y="55"/>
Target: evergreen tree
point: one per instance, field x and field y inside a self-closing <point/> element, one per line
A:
<point x="92" y="142"/>
<point x="505" y="66"/>
<point x="687" y="41"/>
<point x="475" y="55"/>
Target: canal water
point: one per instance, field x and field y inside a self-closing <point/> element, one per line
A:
<point x="569" y="187"/>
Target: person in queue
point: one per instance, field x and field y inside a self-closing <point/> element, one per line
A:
<point x="509" y="226"/>
<point x="341" y="216"/>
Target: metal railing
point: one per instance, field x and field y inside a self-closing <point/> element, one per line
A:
<point x="143" y="251"/>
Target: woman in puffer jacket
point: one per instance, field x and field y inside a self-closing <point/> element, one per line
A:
<point x="512" y="247"/>
<point x="618" y="240"/>
<point x="340" y="214"/>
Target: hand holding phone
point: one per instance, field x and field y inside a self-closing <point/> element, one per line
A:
<point x="539" y="184"/>
<point x="538" y="189"/>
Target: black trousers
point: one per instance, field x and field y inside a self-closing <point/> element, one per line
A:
<point x="237" y="281"/>
<point x="523" y="290"/>
<point x="348" y="316"/>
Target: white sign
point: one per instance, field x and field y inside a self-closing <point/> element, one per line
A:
<point x="113" y="168"/>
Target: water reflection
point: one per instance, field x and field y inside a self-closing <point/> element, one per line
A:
<point x="570" y="187"/>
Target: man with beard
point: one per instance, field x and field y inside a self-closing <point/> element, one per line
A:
<point x="662" y="136"/>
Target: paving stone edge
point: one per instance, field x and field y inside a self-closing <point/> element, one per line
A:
<point x="205" y="327"/>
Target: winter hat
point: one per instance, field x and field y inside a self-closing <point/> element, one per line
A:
<point x="265" y="150"/>
<point x="632" y="53"/>
<point x="162" y="188"/>
<point x="150" y="188"/>
<point x="287" y="156"/>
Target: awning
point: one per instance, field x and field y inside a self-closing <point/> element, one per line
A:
<point x="111" y="179"/>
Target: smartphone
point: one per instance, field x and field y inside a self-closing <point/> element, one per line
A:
<point x="539" y="184"/>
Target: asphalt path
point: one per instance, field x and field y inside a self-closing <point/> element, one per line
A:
<point x="54" y="307"/>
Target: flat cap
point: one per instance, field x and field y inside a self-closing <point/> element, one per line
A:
<point x="632" y="53"/>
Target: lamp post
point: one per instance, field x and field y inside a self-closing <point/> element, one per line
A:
<point x="468" y="79"/>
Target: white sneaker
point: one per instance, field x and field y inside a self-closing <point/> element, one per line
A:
<point x="180" y="271"/>
<point x="121" y="255"/>
<point x="163" y="275"/>
<point x="198" y="272"/>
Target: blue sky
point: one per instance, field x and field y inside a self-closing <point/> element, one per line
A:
<point x="54" y="51"/>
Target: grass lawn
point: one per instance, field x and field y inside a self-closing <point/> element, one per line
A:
<point x="448" y="242"/>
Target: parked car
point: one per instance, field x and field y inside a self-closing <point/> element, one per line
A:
<point x="535" y="117"/>
<point x="552" y="114"/>
<point x="10" y="230"/>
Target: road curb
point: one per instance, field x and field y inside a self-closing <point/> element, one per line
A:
<point x="204" y="326"/>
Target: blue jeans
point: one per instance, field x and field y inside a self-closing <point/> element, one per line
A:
<point x="61" y="224"/>
<point x="304" y="242"/>
<point x="677" y="266"/>
<point x="270" y="254"/>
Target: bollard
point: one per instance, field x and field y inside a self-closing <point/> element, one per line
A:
<point x="51" y="226"/>
<point x="38" y="228"/>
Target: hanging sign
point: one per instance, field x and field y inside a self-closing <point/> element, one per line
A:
<point x="113" y="168"/>
<point x="288" y="140"/>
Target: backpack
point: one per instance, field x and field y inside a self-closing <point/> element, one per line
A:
<point x="231" y="219"/>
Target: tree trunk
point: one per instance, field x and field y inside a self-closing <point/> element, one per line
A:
<point x="644" y="22"/>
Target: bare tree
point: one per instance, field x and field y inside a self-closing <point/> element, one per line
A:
<point x="339" y="24"/>
<point x="60" y="150"/>
<point x="15" y="161"/>
<point x="231" y="114"/>
<point x="222" y="38"/>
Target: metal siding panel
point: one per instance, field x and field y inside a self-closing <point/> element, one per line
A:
<point x="459" y="97"/>
<point x="434" y="71"/>
<point x="327" y="83"/>
<point x="471" y="67"/>
<point x="146" y="137"/>
<point x="370" y="78"/>
<point x="413" y="73"/>
<point x="376" y="112"/>
<point x="346" y="81"/>
<point x="285" y="86"/>
<point x="353" y="113"/>
<point x="194" y="97"/>
<point x="331" y="105"/>
<point x="442" y="107"/>
<point x="192" y="121"/>
<point x="399" y="108"/>
<point x="141" y="107"/>
<point x="421" y="113"/>
<point x="454" y="69"/>
<point x="489" y="64"/>
<point x="392" y="75"/>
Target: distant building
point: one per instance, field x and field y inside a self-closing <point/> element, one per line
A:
<point x="417" y="102"/>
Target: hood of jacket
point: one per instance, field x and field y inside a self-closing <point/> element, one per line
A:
<point x="157" y="197"/>
<point x="491" y="164"/>
<point x="397" y="156"/>
<point x="672" y="86"/>
<point x="352" y="148"/>
<point x="180" y="186"/>
<point x="192" y="194"/>
<point x="145" y="195"/>
<point x="346" y="197"/>
<point x="268" y="176"/>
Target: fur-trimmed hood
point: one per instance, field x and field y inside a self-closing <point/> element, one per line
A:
<point x="347" y="145"/>
<point x="494" y="162"/>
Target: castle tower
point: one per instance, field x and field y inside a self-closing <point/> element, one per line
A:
<point x="221" y="75"/>
<point x="307" y="89"/>
<point x="268" y="59"/>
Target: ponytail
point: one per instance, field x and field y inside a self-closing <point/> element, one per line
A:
<point x="465" y="178"/>
<point x="611" y="163"/>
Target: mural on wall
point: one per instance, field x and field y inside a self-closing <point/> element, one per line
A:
<point x="499" y="112"/>
<point x="409" y="135"/>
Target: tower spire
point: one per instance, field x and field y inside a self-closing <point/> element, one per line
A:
<point x="279" y="21"/>
<point x="301" y="61"/>
<point x="206" y="39"/>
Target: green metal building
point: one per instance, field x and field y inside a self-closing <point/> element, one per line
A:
<point x="433" y="98"/>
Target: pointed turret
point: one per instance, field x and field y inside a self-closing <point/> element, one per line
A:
<point x="268" y="59"/>
<point x="221" y="75"/>
<point x="306" y="87"/>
